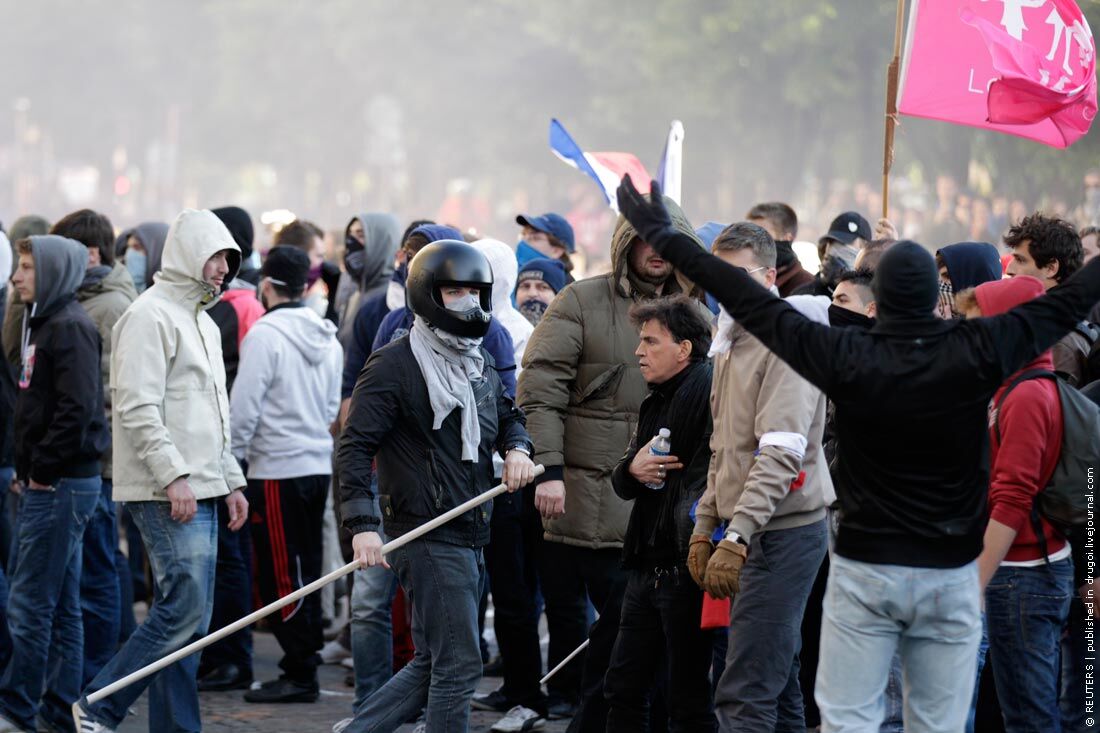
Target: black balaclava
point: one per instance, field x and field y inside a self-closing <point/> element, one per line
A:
<point x="906" y="286"/>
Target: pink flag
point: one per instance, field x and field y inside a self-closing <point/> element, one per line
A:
<point x="1022" y="67"/>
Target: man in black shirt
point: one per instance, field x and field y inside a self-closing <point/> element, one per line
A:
<point x="661" y="605"/>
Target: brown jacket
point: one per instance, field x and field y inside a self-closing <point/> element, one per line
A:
<point x="763" y="413"/>
<point x="581" y="389"/>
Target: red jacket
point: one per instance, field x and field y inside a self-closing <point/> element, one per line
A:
<point x="1030" y="421"/>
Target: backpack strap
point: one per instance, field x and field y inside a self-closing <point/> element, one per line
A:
<point x="1021" y="377"/>
<point x="1089" y="330"/>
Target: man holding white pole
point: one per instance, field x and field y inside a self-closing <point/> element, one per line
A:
<point x="428" y="410"/>
<point x="172" y="462"/>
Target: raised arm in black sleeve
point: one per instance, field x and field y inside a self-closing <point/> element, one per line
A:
<point x="812" y="349"/>
<point x="375" y="409"/>
<point x="1028" y="330"/>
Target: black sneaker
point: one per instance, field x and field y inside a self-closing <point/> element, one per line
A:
<point x="495" y="701"/>
<point x="284" y="690"/>
<point x="495" y="667"/>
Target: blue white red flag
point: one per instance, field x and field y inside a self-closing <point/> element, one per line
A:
<point x="606" y="169"/>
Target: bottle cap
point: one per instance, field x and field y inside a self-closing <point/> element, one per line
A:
<point x="664" y="432"/>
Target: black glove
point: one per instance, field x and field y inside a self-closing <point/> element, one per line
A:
<point x="649" y="217"/>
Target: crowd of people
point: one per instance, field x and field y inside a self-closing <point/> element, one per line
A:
<point x="776" y="491"/>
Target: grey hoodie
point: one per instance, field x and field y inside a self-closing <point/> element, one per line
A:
<point x="152" y="235"/>
<point x="369" y="273"/>
<point x="280" y="415"/>
<point x="59" y="266"/>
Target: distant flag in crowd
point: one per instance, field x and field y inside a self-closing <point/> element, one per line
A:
<point x="608" y="169"/>
<point x="1022" y="67"/>
<point x="670" y="171"/>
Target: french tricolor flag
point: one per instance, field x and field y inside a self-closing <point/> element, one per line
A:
<point x="608" y="169"/>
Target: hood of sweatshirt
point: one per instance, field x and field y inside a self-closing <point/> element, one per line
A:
<point x="59" y="266"/>
<point x="195" y="237"/>
<point x="371" y="264"/>
<point x="970" y="264"/>
<point x="152" y="235"/>
<point x="312" y="335"/>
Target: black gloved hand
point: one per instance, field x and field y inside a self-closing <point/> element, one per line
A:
<point x="648" y="216"/>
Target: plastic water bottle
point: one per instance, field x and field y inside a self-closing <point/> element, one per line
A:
<point x="661" y="446"/>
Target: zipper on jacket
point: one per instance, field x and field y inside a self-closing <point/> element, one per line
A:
<point x="433" y="474"/>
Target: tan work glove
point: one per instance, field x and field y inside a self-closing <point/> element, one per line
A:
<point x="698" y="554"/>
<point x="723" y="575"/>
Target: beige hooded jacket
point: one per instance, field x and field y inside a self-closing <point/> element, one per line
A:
<point x="171" y="409"/>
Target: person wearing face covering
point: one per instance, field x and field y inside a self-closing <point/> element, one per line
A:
<point x="370" y="244"/>
<point x="427" y="414"/>
<point x="539" y="281"/>
<point x="140" y="249"/>
<point x="911" y="399"/>
<point x="962" y="266"/>
<point x="838" y="250"/>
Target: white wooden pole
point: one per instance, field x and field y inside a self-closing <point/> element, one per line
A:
<point x="564" y="662"/>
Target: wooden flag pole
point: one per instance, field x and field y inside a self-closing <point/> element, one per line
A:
<point x="891" y="109"/>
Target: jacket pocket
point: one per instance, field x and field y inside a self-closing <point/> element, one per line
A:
<point x="604" y="384"/>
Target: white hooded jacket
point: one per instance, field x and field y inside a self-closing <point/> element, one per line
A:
<point x="505" y="273"/>
<point x="287" y="394"/>
<point x="171" y="408"/>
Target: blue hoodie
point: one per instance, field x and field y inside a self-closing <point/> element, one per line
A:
<point x="970" y="264"/>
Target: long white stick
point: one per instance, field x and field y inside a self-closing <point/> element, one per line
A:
<point x="287" y="600"/>
<point x="564" y="662"/>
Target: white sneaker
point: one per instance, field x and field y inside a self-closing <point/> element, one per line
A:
<point x="90" y="726"/>
<point x="519" y="719"/>
<point x="333" y="653"/>
<point x="342" y="725"/>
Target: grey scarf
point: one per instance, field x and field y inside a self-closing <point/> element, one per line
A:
<point x="449" y="364"/>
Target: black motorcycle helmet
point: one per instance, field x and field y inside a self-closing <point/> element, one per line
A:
<point x="450" y="262"/>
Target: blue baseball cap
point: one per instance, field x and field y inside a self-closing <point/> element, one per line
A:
<point x="553" y="224"/>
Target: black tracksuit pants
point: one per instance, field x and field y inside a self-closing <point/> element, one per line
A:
<point x="286" y="533"/>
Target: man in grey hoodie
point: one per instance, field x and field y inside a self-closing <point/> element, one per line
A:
<point x="61" y="432"/>
<point x="370" y="245"/>
<point x="105" y="294"/>
<point x="279" y="421"/>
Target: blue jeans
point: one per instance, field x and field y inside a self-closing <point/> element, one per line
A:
<point x="6" y="475"/>
<point x="443" y="582"/>
<point x="99" y="587"/>
<point x="182" y="557"/>
<point x="983" y="653"/>
<point x="931" y="616"/>
<point x="1026" y="609"/>
<point x="1074" y="650"/>
<point x="44" y="612"/>
<point x="895" y="696"/>
<point x="372" y="594"/>
<point x="759" y="690"/>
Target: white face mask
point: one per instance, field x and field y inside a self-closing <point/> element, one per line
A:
<point x="465" y="303"/>
<point x="395" y="296"/>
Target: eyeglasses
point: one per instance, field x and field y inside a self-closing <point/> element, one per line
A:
<point x="749" y="272"/>
<point x="273" y="281"/>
